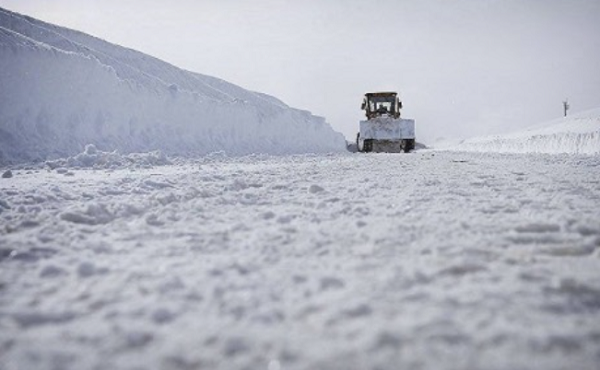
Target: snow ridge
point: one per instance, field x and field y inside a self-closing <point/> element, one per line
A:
<point x="63" y="89"/>
<point x="576" y="134"/>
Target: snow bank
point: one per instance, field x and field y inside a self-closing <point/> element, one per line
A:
<point x="577" y="134"/>
<point x="62" y="89"/>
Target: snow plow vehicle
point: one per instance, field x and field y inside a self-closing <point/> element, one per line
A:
<point x="384" y="131"/>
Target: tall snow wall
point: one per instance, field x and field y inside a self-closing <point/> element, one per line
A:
<point x="61" y="89"/>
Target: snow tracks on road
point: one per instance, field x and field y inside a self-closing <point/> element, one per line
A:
<point x="429" y="260"/>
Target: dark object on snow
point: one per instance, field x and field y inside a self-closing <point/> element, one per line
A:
<point x="384" y="131"/>
<point x="7" y="175"/>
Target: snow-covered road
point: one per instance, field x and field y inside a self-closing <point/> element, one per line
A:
<point x="431" y="260"/>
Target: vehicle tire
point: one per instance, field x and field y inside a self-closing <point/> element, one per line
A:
<point x="409" y="145"/>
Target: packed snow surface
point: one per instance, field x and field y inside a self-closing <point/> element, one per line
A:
<point x="430" y="260"/>
<point x="61" y="89"/>
<point x="576" y="134"/>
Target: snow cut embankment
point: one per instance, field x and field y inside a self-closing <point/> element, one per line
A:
<point x="578" y="134"/>
<point x="62" y="90"/>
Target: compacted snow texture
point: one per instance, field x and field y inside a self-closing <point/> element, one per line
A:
<point x="576" y="134"/>
<point x="61" y="89"/>
<point x="430" y="260"/>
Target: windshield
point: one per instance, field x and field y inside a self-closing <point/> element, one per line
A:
<point x="382" y="103"/>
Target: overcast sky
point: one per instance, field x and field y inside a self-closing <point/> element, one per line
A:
<point x="463" y="67"/>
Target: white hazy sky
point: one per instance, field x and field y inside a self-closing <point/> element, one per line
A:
<point x="463" y="67"/>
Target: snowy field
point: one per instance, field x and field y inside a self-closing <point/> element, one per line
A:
<point x="430" y="260"/>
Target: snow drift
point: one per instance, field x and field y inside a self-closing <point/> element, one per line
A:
<point x="62" y="89"/>
<point x="576" y="134"/>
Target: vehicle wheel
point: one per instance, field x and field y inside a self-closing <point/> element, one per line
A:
<point x="409" y="144"/>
